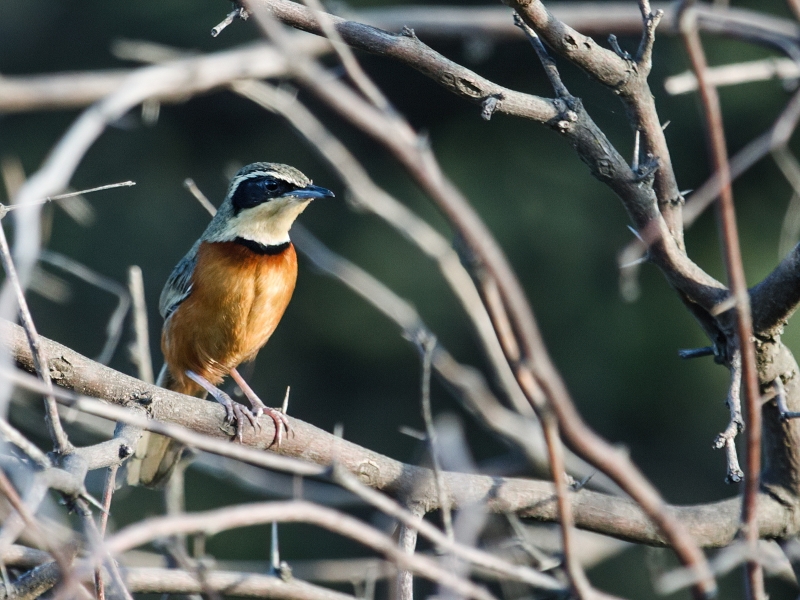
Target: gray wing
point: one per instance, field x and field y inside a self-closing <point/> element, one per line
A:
<point x="179" y="284"/>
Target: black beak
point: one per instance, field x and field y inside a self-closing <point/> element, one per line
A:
<point x="311" y="192"/>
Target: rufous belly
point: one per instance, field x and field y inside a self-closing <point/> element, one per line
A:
<point x="237" y="299"/>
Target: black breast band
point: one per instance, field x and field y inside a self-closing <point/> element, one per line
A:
<point x="262" y="248"/>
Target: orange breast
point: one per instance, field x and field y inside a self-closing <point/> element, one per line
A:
<point x="237" y="299"/>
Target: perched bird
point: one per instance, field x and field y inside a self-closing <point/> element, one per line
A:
<point x="225" y="298"/>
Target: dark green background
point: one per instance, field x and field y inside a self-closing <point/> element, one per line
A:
<point x="346" y="364"/>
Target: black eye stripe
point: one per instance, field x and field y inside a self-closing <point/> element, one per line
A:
<point x="257" y="190"/>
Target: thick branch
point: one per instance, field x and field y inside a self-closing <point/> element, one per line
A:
<point x="711" y="525"/>
<point x="409" y="50"/>
<point x="775" y="299"/>
<point x="176" y="581"/>
<point x="628" y="79"/>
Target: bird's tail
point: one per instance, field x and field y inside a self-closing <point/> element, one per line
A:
<point x="156" y="455"/>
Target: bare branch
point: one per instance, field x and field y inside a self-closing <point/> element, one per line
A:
<point x="420" y="162"/>
<point x="12" y="436"/>
<point x="738" y="284"/>
<point x="727" y="439"/>
<point x="735" y="74"/>
<point x="81" y="271"/>
<point x="408" y="49"/>
<point x="469" y="385"/>
<point x="57" y="434"/>
<point x="69" y="90"/>
<point x="712" y="525"/>
<point x="628" y="79"/>
<point x="140" y="347"/>
<point x="177" y="581"/>
<point x="213" y="522"/>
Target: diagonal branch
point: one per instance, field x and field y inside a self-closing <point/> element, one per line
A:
<point x="417" y="158"/>
<point x="409" y="50"/>
<point x="628" y="79"/>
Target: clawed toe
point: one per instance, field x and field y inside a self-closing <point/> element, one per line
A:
<point x="242" y="413"/>
<point x="281" y="423"/>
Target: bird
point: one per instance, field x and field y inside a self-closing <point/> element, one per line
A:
<point x="224" y="300"/>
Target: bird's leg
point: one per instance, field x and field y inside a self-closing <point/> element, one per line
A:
<point x="234" y="411"/>
<point x="260" y="408"/>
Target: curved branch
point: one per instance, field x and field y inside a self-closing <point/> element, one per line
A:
<point x="297" y="511"/>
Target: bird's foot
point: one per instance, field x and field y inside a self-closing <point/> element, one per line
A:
<point x="235" y="413"/>
<point x="259" y="408"/>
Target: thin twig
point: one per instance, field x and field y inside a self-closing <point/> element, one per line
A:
<point x="4" y="209"/>
<point x="140" y="347"/>
<point x="404" y="581"/>
<point x="735" y="74"/>
<point x="108" y="492"/>
<point x="727" y="439"/>
<point x="738" y="285"/>
<point x="238" y="12"/>
<point x="61" y="442"/>
<point x="427" y="347"/>
<point x="544" y="57"/>
<point x="357" y="75"/>
<point x="190" y="185"/>
<point x="99" y="552"/>
<point x="415" y="155"/>
<point x="13" y="436"/>
<point x="780" y="399"/>
<point x="117" y="318"/>
<point x="297" y="511"/>
<point x="577" y="577"/>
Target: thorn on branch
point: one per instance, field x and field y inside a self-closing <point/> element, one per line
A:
<point x="238" y="12"/>
<point x="780" y="399"/>
<point x="614" y="43"/>
<point x="547" y="61"/>
<point x="579" y="485"/>
<point x="696" y="352"/>
<point x="647" y="169"/>
<point x="490" y="105"/>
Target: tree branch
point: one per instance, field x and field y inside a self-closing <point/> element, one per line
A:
<point x="711" y="525"/>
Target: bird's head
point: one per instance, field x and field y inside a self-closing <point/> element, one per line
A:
<point x="263" y="201"/>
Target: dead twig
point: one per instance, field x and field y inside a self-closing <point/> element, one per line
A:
<point x="738" y="285"/>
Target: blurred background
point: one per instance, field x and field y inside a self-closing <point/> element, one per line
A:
<point x="347" y="364"/>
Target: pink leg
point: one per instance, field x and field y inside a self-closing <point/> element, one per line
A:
<point x="235" y="412"/>
<point x="260" y="408"/>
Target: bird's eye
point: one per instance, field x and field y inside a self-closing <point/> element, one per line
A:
<point x="255" y="191"/>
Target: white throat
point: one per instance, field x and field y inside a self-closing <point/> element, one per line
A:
<point x="268" y="223"/>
